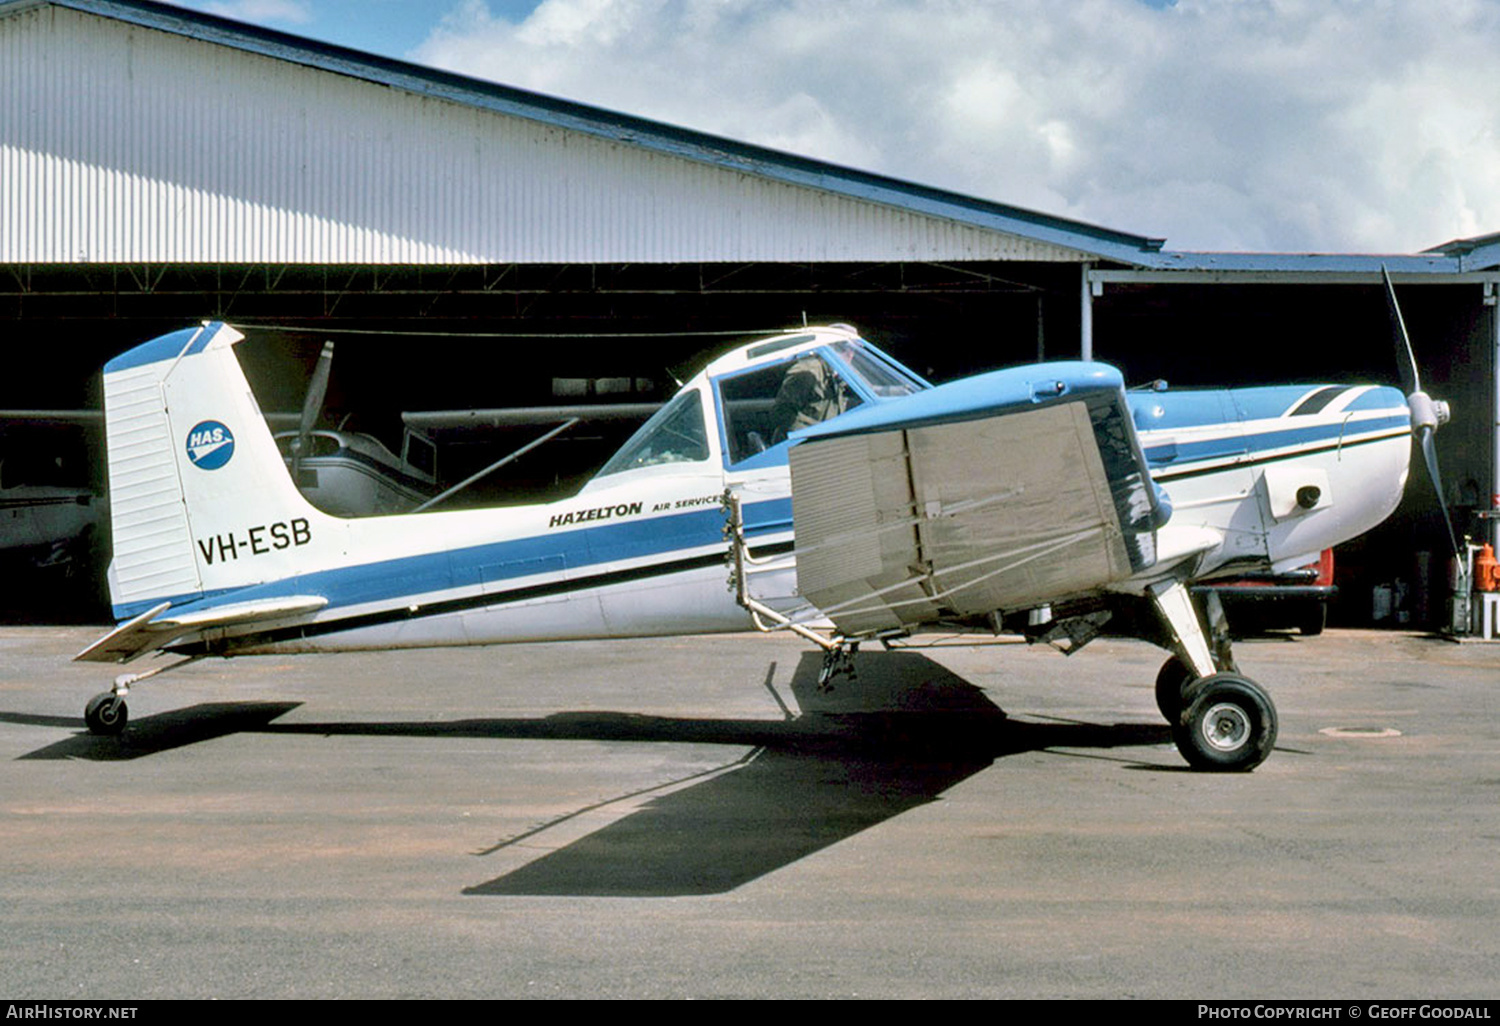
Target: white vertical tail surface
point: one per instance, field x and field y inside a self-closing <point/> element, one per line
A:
<point x="200" y="500"/>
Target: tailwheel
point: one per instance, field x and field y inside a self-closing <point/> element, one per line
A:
<point x="106" y="714"/>
<point x="1228" y="724"/>
<point x="1171" y="681"/>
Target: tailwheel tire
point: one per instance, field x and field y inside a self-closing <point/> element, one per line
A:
<point x="1227" y="725"/>
<point x="106" y="715"/>
<point x="1171" y="682"/>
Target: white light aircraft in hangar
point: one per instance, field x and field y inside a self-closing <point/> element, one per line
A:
<point x="851" y="500"/>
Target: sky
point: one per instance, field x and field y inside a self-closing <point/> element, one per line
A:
<point x="1369" y="126"/>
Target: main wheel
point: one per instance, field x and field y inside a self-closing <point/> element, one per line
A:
<point x="106" y="715"/>
<point x="1171" y="681"/>
<point x="1228" y="724"/>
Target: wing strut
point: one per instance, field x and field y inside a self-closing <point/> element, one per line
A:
<point x="523" y="450"/>
<point x="838" y="651"/>
<point x="742" y="564"/>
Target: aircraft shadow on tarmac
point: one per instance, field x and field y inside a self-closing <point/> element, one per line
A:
<point x="153" y="734"/>
<point x="907" y="730"/>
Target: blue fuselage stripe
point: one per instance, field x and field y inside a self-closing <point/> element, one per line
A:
<point x="1250" y="447"/>
<point x="577" y="551"/>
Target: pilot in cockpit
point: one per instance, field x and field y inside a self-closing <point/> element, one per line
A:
<point x="810" y="393"/>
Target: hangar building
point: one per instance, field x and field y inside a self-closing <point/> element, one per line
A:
<point x="468" y="245"/>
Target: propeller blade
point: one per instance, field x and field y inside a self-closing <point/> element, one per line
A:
<point x="1427" y="414"/>
<point x="1406" y="359"/>
<point x="1427" y="437"/>
<point x="312" y="406"/>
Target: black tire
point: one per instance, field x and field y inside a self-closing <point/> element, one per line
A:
<point x="1228" y="724"/>
<point x="1171" y="681"/>
<point x="106" y="715"/>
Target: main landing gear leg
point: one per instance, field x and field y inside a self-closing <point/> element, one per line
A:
<point x="1220" y="720"/>
<point x="837" y="660"/>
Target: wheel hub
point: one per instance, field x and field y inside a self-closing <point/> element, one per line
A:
<point x="1226" y="727"/>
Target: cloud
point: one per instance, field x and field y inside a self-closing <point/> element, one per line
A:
<point x="1336" y="125"/>
<point x="290" y="12"/>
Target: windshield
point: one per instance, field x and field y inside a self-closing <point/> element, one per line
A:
<point x="674" y="434"/>
<point x="883" y="380"/>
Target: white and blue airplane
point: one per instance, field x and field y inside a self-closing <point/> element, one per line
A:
<point x="851" y="500"/>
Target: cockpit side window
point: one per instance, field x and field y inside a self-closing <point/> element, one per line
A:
<point x="674" y="434"/>
<point x="763" y="406"/>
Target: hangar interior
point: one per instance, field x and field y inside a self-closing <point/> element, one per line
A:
<point x="615" y="282"/>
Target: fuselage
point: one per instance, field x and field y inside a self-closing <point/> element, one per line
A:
<point x="1254" y="478"/>
<point x="1282" y="472"/>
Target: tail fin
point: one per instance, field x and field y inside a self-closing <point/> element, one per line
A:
<point x="200" y="500"/>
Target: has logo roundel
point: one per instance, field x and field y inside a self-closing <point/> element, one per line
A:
<point x="209" y="445"/>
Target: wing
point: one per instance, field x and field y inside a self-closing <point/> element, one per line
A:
<point x="435" y="420"/>
<point x="998" y="492"/>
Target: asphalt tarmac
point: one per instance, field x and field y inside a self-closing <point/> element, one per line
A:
<point x="691" y="818"/>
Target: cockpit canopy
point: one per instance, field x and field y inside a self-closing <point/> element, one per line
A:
<point x="760" y="394"/>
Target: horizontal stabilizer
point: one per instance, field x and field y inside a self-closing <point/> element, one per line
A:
<point x="126" y="641"/>
<point x="151" y="630"/>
